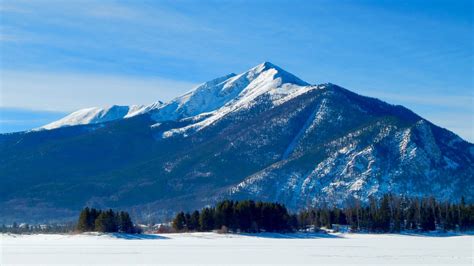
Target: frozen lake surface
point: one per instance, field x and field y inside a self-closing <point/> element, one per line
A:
<point x="216" y="249"/>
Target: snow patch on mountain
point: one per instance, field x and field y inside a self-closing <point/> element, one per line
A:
<point x="142" y="109"/>
<point x="204" y="98"/>
<point x="264" y="79"/>
<point x="94" y="115"/>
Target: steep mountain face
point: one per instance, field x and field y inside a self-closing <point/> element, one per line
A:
<point x="263" y="134"/>
<point x="346" y="150"/>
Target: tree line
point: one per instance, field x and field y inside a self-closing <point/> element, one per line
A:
<point x="393" y="213"/>
<point x="388" y="214"/>
<point x="93" y="220"/>
<point x="243" y="216"/>
<point x="25" y="228"/>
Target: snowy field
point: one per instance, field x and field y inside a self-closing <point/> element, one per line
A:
<point x="210" y="248"/>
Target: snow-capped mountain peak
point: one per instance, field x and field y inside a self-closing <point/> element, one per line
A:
<point x="285" y="76"/>
<point x="232" y="89"/>
<point x="229" y="90"/>
<point x="236" y="92"/>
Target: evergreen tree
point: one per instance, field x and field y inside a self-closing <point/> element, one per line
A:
<point x="224" y="214"/>
<point x="427" y="217"/>
<point x="325" y="218"/>
<point x="92" y="217"/>
<point x="83" y="222"/>
<point x="281" y="218"/>
<point x="106" y="222"/>
<point x="179" y="222"/>
<point x="463" y="215"/>
<point x="304" y="220"/>
<point x="383" y="215"/>
<point x="266" y="217"/>
<point x="411" y="216"/>
<point x="397" y="213"/>
<point x="339" y="216"/>
<point x="449" y="221"/>
<point x="125" y="223"/>
<point x="187" y="221"/>
<point x="101" y="222"/>
<point x="244" y="212"/>
<point x="193" y="224"/>
<point x="293" y="222"/>
<point x="206" y="219"/>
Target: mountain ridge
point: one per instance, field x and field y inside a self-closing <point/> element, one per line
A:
<point x="220" y="90"/>
<point x="257" y="136"/>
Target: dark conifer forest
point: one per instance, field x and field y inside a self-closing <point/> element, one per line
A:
<point x="91" y="220"/>
<point x="388" y="214"/>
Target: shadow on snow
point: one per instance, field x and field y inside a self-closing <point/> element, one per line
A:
<point x="292" y="235"/>
<point x="138" y="236"/>
<point x="437" y="234"/>
<point x="299" y="235"/>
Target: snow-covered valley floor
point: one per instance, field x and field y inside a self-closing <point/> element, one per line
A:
<point x="216" y="249"/>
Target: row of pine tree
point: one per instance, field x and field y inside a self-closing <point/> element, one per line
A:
<point x="243" y="216"/>
<point x="92" y="220"/>
<point x="389" y="214"/>
<point x="393" y="214"/>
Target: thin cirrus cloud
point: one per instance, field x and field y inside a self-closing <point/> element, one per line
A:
<point x="17" y="119"/>
<point x="65" y="92"/>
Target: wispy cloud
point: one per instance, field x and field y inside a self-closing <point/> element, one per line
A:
<point x="72" y="91"/>
<point x="114" y="11"/>
<point x="15" y="119"/>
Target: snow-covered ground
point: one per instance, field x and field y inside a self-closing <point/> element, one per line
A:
<point x="216" y="249"/>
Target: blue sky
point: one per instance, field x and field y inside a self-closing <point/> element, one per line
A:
<point x="59" y="56"/>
